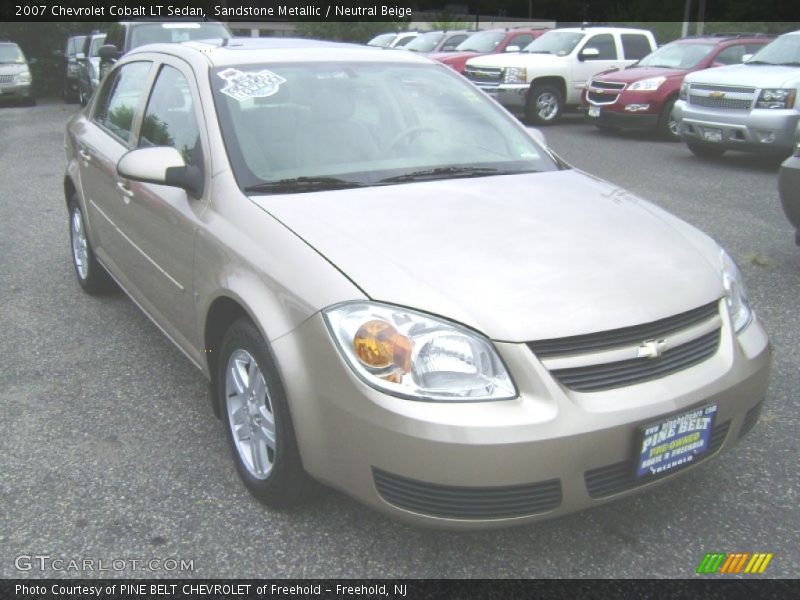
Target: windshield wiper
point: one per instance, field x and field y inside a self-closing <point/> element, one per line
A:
<point x="303" y="184"/>
<point x="793" y="63"/>
<point x="759" y="62"/>
<point x="448" y="172"/>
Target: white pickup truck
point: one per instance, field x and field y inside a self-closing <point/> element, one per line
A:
<point x="551" y="72"/>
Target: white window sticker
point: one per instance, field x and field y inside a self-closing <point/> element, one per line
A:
<point x="256" y="84"/>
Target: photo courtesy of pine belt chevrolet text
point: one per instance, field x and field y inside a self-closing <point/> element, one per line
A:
<point x="397" y="290"/>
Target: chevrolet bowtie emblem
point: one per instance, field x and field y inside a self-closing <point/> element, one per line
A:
<point x="716" y="95"/>
<point x="651" y="349"/>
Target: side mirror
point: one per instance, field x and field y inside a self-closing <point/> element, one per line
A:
<point x="512" y="49"/>
<point x="162" y="165"/>
<point x="746" y="57"/>
<point x="589" y="54"/>
<point x="537" y="135"/>
<point x="108" y="52"/>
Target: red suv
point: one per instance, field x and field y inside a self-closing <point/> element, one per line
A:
<point x="490" y="41"/>
<point x="642" y="95"/>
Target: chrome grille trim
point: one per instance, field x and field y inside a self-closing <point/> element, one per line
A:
<point x="607" y="85"/>
<point x="601" y="99"/>
<point x="728" y="89"/>
<point x="6" y="79"/>
<point x="633" y="335"/>
<point x="484" y="74"/>
<point x="465" y="502"/>
<point x="729" y="103"/>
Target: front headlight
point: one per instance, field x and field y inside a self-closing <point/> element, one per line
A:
<point x="735" y="292"/>
<point x="24" y="77"/>
<point x="515" y="75"/>
<point x="684" y="93"/>
<point x="410" y="354"/>
<point x="776" y="98"/>
<point x="647" y="85"/>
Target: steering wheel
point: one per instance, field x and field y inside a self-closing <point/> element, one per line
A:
<point x="407" y="133"/>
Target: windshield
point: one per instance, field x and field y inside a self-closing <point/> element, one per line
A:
<point x="425" y="42"/>
<point x="783" y="51"/>
<point x="153" y="33"/>
<point x="382" y="40"/>
<point x="677" y="56"/>
<point x="559" y="43"/>
<point x="97" y="41"/>
<point x="307" y="126"/>
<point x="483" y="42"/>
<point x="10" y="53"/>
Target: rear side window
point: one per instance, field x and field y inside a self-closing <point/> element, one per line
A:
<point x="121" y="96"/>
<point x="169" y="119"/>
<point x="635" y="46"/>
<point x="604" y="43"/>
<point x="520" y="41"/>
<point x="731" y="55"/>
<point x="452" y="42"/>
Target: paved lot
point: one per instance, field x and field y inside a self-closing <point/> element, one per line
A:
<point x="108" y="448"/>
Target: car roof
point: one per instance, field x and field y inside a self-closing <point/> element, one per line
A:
<point x="244" y="50"/>
<point x="593" y="29"/>
<point x="721" y="39"/>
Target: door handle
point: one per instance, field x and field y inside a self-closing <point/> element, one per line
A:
<point x="84" y="155"/>
<point x="125" y="190"/>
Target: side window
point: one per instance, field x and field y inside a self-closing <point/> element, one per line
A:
<point x="121" y="94"/>
<point x="635" y="46"/>
<point x="170" y="119"/>
<point x="520" y="41"/>
<point x="731" y="55"/>
<point x="451" y="43"/>
<point x="604" y="43"/>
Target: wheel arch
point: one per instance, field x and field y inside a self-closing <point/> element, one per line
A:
<point x="556" y="81"/>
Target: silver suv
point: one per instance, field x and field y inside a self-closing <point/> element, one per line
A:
<point x="15" y="74"/>
<point x="752" y="106"/>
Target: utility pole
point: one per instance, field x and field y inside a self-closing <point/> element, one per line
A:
<point x="687" y="14"/>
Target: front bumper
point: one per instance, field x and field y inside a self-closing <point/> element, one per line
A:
<point x="472" y="465"/>
<point x="512" y="96"/>
<point x="758" y="130"/>
<point x="15" y="90"/>
<point x="789" y="188"/>
<point x="611" y="117"/>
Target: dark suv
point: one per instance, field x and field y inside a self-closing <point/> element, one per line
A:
<point x="72" y="49"/>
<point x="89" y="60"/>
<point x="642" y="95"/>
<point x="127" y="35"/>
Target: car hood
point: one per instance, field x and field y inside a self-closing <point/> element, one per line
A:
<point x="518" y="257"/>
<point x="12" y="68"/>
<point x="632" y="74"/>
<point x="759" y="76"/>
<point x="515" y="59"/>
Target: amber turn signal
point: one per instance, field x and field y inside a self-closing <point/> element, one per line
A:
<point x="379" y="345"/>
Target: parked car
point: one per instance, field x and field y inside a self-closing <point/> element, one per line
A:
<point x="89" y="72"/>
<point x="552" y="71"/>
<point x="753" y="106"/>
<point x="789" y="186"/>
<point x="437" y="41"/>
<point x="403" y="38"/>
<point x="72" y="48"/>
<point x="127" y="35"/>
<point x="396" y="290"/>
<point x="16" y="82"/>
<point x="642" y="96"/>
<point x="490" y="41"/>
<point x="394" y="39"/>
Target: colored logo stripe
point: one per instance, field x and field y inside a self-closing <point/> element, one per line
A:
<point x="720" y="562"/>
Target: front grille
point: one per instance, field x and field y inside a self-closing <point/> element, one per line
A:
<point x="750" y="419"/>
<point x="6" y="79"/>
<point x="730" y="103"/>
<point x="597" y="98"/>
<point x="608" y="85"/>
<point x="457" y="502"/>
<point x="728" y="89"/>
<point x="620" y="477"/>
<point x="484" y="75"/>
<point x="636" y="334"/>
<point x="606" y="376"/>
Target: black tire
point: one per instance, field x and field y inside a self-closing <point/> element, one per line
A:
<point x="544" y="105"/>
<point x="93" y="278"/>
<point x="284" y="483"/>
<point x="705" y="150"/>
<point x="667" y="126"/>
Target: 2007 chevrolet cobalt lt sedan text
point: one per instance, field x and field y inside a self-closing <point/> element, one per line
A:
<point x="395" y="289"/>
